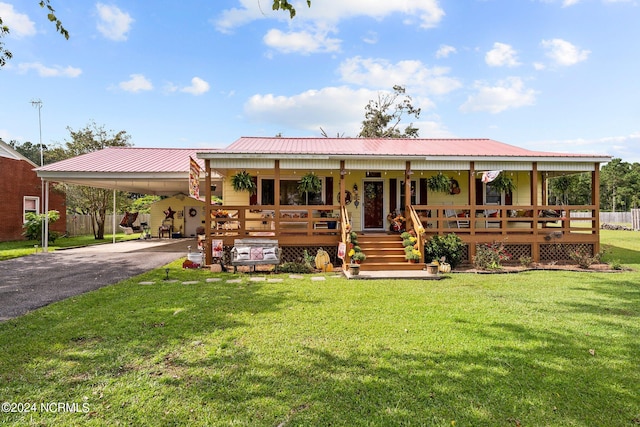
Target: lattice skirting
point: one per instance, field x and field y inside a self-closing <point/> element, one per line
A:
<point x="561" y="251"/>
<point x="518" y="251"/>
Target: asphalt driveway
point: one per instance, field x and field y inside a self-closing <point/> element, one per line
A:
<point x="33" y="281"/>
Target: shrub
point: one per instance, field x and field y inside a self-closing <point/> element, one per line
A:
<point x="450" y="247"/>
<point x="490" y="256"/>
<point x="33" y="226"/>
<point x="525" y="261"/>
<point x="295" y="268"/>
<point x="584" y="259"/>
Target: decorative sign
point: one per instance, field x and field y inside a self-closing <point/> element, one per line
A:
<point x="194" y="179"/>
<point x="342" y="250"/>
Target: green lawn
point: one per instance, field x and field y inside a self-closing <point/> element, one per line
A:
<point x="539" y="348"/>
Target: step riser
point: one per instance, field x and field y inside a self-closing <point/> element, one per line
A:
<point x="384" y="252"/>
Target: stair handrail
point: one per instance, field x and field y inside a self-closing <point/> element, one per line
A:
<point x="345" y="229"/>
<point x="419" y="229"/>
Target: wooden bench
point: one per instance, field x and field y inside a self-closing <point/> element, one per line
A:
<point x="254" y="252"/>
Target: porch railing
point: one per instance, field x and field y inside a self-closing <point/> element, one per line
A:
<point x="300" y="221"/>
<point x="493" y="219"/>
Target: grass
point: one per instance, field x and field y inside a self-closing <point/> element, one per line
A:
<point x="536" y="348"/>
<point x="20" y="248"/>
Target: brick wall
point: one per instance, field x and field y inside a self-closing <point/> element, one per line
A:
<point x="17" y="179"/>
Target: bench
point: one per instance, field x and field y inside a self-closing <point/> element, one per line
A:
<point x="254" y="252"/>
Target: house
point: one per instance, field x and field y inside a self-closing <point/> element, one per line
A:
<point x="21" y="191"/>
<point x="366" y="182"/>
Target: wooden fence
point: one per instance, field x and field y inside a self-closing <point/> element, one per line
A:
<point x="80" y="225"/>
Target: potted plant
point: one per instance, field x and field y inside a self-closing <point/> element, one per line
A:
<point x="439" y="183"/>
<point x="358" y="257"/>
<point x="310" y="183"/>
<point x="412" y="254"/>
<point x="243" y="181"/>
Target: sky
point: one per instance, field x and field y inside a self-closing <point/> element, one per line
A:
<point x="549" y="75"/>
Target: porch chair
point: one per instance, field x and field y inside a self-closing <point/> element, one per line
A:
<point x="460" y="222"/>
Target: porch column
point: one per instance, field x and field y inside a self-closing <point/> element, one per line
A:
<point x="595" y="201"/>
<point x="535" y="244"/>
<point x="472" y="204"/>
<point x="208" y="255"/>
<point x="276" y="195"/>
<point x="343" y="185"/>
<point x="407" y="194"/>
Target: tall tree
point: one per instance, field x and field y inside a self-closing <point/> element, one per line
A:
<point x="382" y="116"/>
<point x="89" y="200"/>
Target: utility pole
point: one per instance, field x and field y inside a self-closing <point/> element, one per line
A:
<point x="37" y="103"/>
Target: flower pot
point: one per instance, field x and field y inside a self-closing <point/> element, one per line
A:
<point x="432" y="268"/>
<point x="354" y="269"/>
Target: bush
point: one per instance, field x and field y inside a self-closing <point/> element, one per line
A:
<point x="584" y="259"/>
<point x="295" y="268"/>
<point x="33" y="226"/>
<point x="490" y="256"/>
<point x="450" y="247"/>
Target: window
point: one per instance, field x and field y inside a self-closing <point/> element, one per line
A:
<point x="289" y="194"/>
<point x="30" y="204"/>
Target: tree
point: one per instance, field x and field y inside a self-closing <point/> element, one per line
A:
<point x="570" y="189"/>
<point x="89" y="200"/>
<point x="285" y="5"/>
<point x="383" y="116"/>
<point x="29" y="150"/>
<point x="5" y="55"/>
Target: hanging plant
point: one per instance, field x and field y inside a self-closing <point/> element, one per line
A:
<point x="309" y="184"/>
<point x="243" y="181"/>
<point x="439" y="183"/>
<point x="503" y="183"/>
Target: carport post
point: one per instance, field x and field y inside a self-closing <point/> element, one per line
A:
<point x="113" y="220"/>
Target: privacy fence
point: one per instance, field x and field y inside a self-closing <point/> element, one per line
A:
<point x="80" y="225"/>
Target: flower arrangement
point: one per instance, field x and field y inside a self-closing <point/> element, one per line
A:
<point x="412" y="254"/>
<point x="396" y="222"/>
<point x="355" y="253"/>
<point x="220" y="213"/>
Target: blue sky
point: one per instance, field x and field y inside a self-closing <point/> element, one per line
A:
<point x="553" y="75"/>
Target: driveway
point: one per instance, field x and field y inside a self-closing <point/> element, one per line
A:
<point x="33" y="281"/>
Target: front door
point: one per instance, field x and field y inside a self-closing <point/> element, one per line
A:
<point x="373" y="205"/>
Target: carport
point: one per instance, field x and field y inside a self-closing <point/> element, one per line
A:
<point x="154" y="171"/>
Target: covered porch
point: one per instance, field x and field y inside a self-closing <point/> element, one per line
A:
<point x="363" y="188"/>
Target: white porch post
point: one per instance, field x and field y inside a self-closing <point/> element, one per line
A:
<point x="45" y="239"/>
<point x="113" y="217"/>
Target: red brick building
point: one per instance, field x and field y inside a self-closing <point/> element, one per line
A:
<point x="21" y="192"/>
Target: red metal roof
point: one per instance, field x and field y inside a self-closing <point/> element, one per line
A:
<point x="130" y="159"/>
<point x="385" y="147"/>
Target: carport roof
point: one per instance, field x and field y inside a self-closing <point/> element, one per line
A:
<point x="159" y="171"/>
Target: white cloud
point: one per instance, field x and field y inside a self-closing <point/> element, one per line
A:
<point x="426" y="13"/>
<point x="623" y="146"/>
<point x="19" y="23"/>
<point x="564" y="53"/>
<point x="303" y="42"/>
<point x="136" y="83"/>
<point x="501" y="55"/>
<point x="444" y="51"/>
<point x="506" y="94"/>
<point x="198" y="87"/>
<point x="371" y="38"/>
<point x="414" y="74"/>
<point x="341" y="108"/>
<point x="113" y="23"/>
<point x="44" y="71"/>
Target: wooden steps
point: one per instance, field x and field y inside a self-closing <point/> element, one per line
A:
<point x="384" y="252"/>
